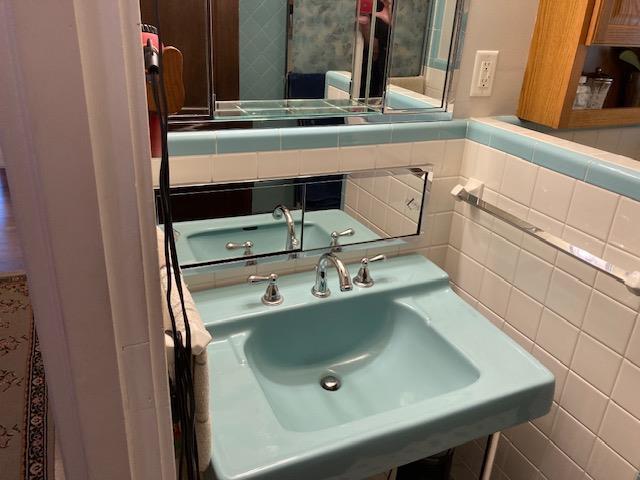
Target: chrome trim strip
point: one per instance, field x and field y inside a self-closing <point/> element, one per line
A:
<point x="630" y="279"/>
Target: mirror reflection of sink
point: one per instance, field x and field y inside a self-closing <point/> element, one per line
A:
<point x="206" y="240"/>
<point x="383" y="353"/>
<point x="359" y="382"/>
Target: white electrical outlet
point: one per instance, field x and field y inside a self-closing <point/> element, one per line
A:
<point x="484" y="72"/>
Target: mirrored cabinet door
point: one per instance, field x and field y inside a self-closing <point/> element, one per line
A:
<point x="253" y="60"/>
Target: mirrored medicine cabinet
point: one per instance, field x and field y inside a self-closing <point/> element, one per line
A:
<point x="235" y="223"/>
<point x="310" y="62"/>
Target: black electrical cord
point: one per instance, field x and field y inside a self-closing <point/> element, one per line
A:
<point x="182" y="389"/>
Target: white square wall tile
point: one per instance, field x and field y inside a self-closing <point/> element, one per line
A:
<point x="556" y="465"/>
<point x="475" y="240"/>
<point x="441" y="199"/>
<point x="524" y="313"/>
<point x="557" y="336"/>
<point x="625" y="232"/>
<point x="494" y="293"/>
<point x="532" y="276"/>
<point x="432" y="152"/>
<point x="621" y="431"/>
<point x="489" y="167"/>
<point x="357" y="158"/>
<point x="519" y="179"/>
<point x="319" y="160"/>
<point x="453" y="152"/>
<point x="394" y="155"/>
<point x="502" y="257"/>
<point x="584" y="401"/>
<point x="280" y="164"/>
<point x="568" y="297"/>
<point x="190" y="169"/>
<point x="609" y="321"/>
<point x="606" y="464"/>
<point x="572" y="437"/>
<point x="633" y="350"/>
<point x="592" y="210"/>
<point x="235" y="167"/>
<point x="596" y="363"/>
<point x="626" y="392"/>
<point x="552" y="194"/>
<point x="464" y="271"/>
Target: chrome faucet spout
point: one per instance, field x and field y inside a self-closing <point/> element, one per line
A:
<point x="321" y="289"/>
<point x="292" y="240"/>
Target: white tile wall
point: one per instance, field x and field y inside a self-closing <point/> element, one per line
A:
<point x="584" y="327"/>
<point x="581" y="325"/>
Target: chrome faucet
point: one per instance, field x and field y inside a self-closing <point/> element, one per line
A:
<point x="292" y="240"/>
<point x="321" y="289"/>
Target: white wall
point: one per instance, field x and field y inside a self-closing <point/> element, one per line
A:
<point x="584" y="327"/>
<point x="504" y="25"/>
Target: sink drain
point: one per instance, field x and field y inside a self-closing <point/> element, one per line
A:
<point x="330" y="382"/>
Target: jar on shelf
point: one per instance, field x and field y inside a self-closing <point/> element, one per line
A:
<point x="583" y="94"/>
<point x="600" y="84"/>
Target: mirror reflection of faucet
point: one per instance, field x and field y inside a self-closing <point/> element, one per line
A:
<point x="292" y="241"/>
<point x="335" y="236"/>
<point x="248" y="247"/>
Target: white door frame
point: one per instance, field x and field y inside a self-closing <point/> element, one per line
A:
<point x="73" y="131"/>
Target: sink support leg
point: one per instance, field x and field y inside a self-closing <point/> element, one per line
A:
<point x="489" y="456"/>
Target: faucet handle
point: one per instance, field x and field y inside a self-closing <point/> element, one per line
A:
<point x="248" y="246"/>
<point x="335" y="235"/>
<point x="363" y="278"/>
<point x="272" y="296"/>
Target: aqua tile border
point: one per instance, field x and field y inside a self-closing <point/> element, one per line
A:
<point x="517" y="145"/>
<point x="592" y="170"/>
<point x="586" y="168"/>
<point x="560" y="160"/>
<point x="615" y="178"/>
<point x="240" y="141"/>
<point x="353" y="135"/>
<point x="310" y="137"/>
<point x="192" y="143"/>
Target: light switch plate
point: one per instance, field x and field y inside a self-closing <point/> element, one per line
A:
<point x="484" y="72"/>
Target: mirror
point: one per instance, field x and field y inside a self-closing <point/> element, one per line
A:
<point x="426" y="46"/>
<point x="225" y="223"/>
<point x="250" y="60"/>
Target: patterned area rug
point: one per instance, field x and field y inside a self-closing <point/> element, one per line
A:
<point x="26" y="434"/>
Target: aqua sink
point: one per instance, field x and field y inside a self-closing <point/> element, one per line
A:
<point x="418" y="371"/>
<point x="377" y="355"/>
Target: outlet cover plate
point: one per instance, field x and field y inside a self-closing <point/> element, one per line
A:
<point x="484" y="73"/>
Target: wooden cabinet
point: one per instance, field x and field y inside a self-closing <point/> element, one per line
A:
<point x="568" y="36"/>
<point x="615" y="22"/>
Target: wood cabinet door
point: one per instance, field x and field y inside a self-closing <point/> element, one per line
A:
<point x="615" y="22"/>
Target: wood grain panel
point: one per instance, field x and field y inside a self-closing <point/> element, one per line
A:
<point x="616" y="22"/>
<point x="603" y="118"/>
<point x="226" y="49"/>
<point x="555" y="62"/>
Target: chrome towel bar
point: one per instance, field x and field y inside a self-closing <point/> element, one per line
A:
<point x="630" y="279"/>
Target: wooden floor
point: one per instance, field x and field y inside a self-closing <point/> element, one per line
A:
<point x="10" y="253"/>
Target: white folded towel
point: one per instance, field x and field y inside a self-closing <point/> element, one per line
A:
<point x="200" y="338"/>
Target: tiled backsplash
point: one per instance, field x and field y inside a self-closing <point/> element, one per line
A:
<point x="581" y="324"/>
